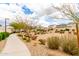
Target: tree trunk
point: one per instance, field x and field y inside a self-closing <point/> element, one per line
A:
<point x="77" y="33"/>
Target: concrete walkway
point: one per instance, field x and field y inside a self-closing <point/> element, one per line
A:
<point x="15" y="47"/>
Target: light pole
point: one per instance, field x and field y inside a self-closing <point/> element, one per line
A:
<point x="6" y="24"/>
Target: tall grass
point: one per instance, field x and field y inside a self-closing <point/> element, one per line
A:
<point x="70" y="46"/>
<point x="53" y="42"/>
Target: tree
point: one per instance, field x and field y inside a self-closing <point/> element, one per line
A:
<point x="68" y="11"/>
<point x="19" y="25"/>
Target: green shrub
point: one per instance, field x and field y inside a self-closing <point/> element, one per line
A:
<point x="53" y="42"/>
<point x="3" y="35"/>
<point x="0" y="37"/>
<point x="42" y="41"/>
<point x="70" y="46"/>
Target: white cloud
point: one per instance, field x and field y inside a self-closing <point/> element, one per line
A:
<point x="11" y="11"/>
<point x="39" y="7"/>
<point x="43" y="23"/>
<point x="25" y="1"/>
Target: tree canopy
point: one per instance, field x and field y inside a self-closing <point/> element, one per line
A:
<point x="19" y="25"/>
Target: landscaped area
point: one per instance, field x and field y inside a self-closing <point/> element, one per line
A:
<point x="53" y="44"/>
<point x="26" y="36"/>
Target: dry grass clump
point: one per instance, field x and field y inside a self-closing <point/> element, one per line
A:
<point x="27" y="39"/>
<point x="20" y="35"/>
<point x="67" y="45"/>
<point x="42" y="41"/>
<point x="70" y="46"/>
<point x="53" y="42"/>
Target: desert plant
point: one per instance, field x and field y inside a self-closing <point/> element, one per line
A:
<point x="34" y="37"/>
<point x="75" y="33"/>
<point x="42" y="41"/>
<point x="53" y="42"/>
<point x="20" y="35"/>
<point x="24" y="38"/>
<point x="70" y="46"/>
<point x="67" y="29"/>
<point x="27" y="39"/>
<point x="69" y="32"/>
<point x="62" y="31"/>
<point x="56" y="31"/>
<point x="73" y="30"/>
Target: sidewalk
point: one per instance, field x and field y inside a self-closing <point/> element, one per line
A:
<point x="15" y="47"/>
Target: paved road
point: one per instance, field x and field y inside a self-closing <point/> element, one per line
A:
<point x="15" y="47"/>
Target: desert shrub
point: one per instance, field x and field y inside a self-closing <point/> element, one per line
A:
<point x="42" y="41"/>
<point x="24" y="38"/>
<point x="50" y="29"/>
<point x="26" y="35"/>
<point x="40" y="31"/>
<point x="56" y="31"/>
<point x="73" y="30"/>
<point x="3" y="35"/>
<point x="27" y="39"/>
<point x="53" y="42"/>
<point x="69" y="32"/>
<point x="62" y="31"/>
<point x="70" y="46"/>
<point x="34" y="37"/>
<point x="20" y="35"/>
<point x="67" y="29"/>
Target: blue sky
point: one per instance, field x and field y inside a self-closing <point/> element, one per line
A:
<point x="26" y="10"/>
<point x="30" y="10"/>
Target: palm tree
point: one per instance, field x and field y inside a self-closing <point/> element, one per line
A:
<point x="69" y="12"/>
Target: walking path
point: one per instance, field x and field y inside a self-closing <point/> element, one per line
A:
<point x="15" y="47"/>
